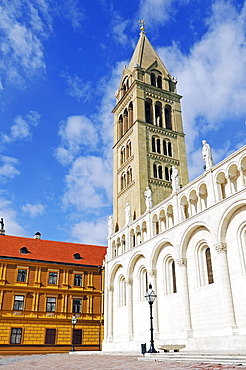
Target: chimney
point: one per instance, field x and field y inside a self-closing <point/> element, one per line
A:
<point x="2" y="231"/>
<point x="37" y="236"/>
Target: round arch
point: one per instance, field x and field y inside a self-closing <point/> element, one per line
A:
<point x="187" y="236"/>
<point x="132" y="263"/>
<point x="227" y="215"/>
<point x="113" y="272"/>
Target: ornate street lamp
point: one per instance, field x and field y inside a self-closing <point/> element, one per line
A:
<point x="74" y="321"/>
<point x="150" y="297"/>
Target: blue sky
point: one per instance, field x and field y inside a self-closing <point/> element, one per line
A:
<point x="61" y="63"/>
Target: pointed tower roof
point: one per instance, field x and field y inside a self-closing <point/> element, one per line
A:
<point x="144" y="54"/>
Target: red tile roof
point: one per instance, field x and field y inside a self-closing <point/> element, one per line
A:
<point x="51" y="251"/>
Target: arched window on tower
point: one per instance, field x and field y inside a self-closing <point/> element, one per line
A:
<point x="122" y="155"/>
<point x="153" y="144"/>
<point x="153" y="79"/>
<point x="169" y="149"/>
<point x="128" y="149"/>
<point x="130" y="108"/>
<point x="168" y="120"/>
<point x="125" y="121"/>
<point x="148" y="111"/>
<point x="160" y="172"/>
<point x="120" y="127"/>
<point x="159" y="82"/>
<point x="158" y="114"/>
<point x="123" y="181"/>
<point x="129" y="175"/>
<point x="156" y="144"/>
<point x="167" y="178"/>
<point x="164" y="147"/>
<point x="155" y="170"/>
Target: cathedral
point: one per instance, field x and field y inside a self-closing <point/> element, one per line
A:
<point x="186" y="239"/>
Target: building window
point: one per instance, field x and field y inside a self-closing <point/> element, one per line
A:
<point x="52" y="278"/>
<point x="51" y="304"/>
<point x="77" y="305"/>
<point x="204" y="265"/>
<point x="19" y="303"/>
<point x="209" y="266"/>
<point x="122" y="291"/>
<point x="77" y="280"/>
<point x="168" y="120"/>
<point x="77" y="336"/>
<point x="143" y="283"/>
<point x="16" y="334"/>
<point x="174" y="278"/>
<point x="170" y="285"/>
<point x="50" y="337"/>
<point x="22" y="275"/>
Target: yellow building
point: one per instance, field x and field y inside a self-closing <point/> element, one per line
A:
<point x="43" y="284"/>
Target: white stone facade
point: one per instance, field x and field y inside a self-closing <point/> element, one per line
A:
<point x="192" y="248"/>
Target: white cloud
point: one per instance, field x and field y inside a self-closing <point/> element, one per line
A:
<point x="12" y="226"/>
<point x="24" y="26"/>
<point x="21" y="129"/>
<point x="77" y="88"/>
<point x="21" y="47"/>
<point x="91" y="232"/>
<point x="33" y="209"/>
<point x="118" y="30"/>
<point x="211" y="76"/>
<point x="156" y="11"/>
<point x="77" y="134"/>
<point x="88" y="184"/>
<point x="8" y="170"/>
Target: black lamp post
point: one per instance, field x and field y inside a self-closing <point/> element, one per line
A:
<point x="74" y="321"/>
<point x="150" y="297"/>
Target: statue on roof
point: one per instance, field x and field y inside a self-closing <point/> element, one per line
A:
<point x="175" y="179"/>
<point x="110" y="225"/>
<point x="1" y="224"/>
<point x="127" y="213"/>
<point x="207" y="155"/>
<point x="148" y="198"/>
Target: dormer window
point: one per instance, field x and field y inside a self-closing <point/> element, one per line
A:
<point x="24" y="250"/>
<point x="77" y="256"/>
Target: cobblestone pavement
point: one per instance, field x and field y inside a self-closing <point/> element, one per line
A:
<point x="102" y="362"/>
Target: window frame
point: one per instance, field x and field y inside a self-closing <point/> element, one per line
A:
<point x="50" y="305"/>
<point x="20" y="274"/>
<point x="81" y="280"/>
<point x="17" y="336"/>
<point x="50" y="279"/>
<point x="17" y="307"/>
<point x="76" y="305"/>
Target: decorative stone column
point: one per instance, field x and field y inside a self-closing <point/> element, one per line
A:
<point x="228" y="306"/>
<point x="184" y="290"/>
<point x="152" y="280"/>
<point x="110" y="313"/>
<point x="240" y="170"/>
<point x="129" y="304"/>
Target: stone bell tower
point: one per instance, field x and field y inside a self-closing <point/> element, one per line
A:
<point x="148" y="133"/>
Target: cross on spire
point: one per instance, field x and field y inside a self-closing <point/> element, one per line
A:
<point x="142" y="24"/>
